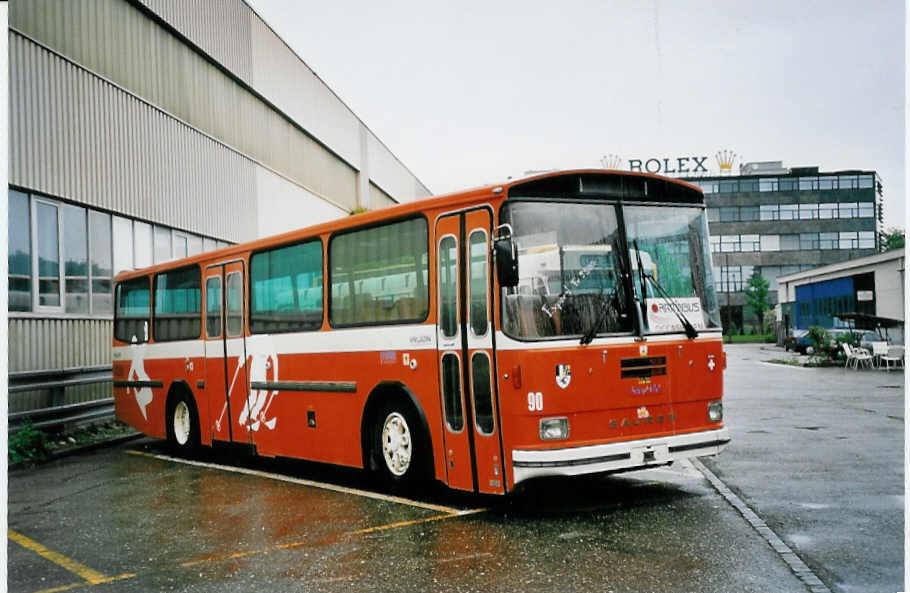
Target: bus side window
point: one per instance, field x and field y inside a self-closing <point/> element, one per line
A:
<point x="178" y="304"/>
<point x="132" y="311"/>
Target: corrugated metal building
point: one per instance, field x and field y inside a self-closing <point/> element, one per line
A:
<point x="146" y="130"/>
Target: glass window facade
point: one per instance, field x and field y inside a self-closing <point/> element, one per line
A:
<point x="78" y="252"/>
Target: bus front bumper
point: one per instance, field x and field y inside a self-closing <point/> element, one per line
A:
<point x="625" y="455"/>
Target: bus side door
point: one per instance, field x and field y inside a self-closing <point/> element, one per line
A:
<point x="226" y="373"/>
<point x="472" y="441"/>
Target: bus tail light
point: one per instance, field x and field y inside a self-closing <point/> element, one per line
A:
<point x="554" y="429"/>
<point x="716" y="411"/>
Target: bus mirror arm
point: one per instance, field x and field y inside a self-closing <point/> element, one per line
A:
<point x="506" y="256"/>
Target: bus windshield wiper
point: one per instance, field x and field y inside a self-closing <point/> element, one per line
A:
<point x="690" y="330"/>
<point x="589" y="335"/>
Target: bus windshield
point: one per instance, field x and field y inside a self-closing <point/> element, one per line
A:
<point x="570" y="269"/>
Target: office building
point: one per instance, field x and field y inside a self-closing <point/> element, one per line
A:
<point x="779" y="221"/>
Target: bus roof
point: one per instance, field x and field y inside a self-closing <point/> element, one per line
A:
<point x="463" y="197"/>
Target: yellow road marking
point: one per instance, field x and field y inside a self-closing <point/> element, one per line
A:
<point x="86" y="584"/>
<point x="302" y="482"/>
<point x="414" y="522"/>
<point x="91" y="577"/>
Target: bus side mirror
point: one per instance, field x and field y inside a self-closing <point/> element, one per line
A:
<point x="506" y="258"/>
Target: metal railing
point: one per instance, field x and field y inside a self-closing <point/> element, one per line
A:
<point x="60" y="414"/>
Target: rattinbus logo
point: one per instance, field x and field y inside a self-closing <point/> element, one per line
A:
<point x="685" y="307"/>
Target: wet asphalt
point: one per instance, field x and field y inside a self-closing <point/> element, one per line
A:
<point x="817" y="454"/>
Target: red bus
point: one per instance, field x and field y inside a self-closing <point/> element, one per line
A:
<point x="556" y="325"/>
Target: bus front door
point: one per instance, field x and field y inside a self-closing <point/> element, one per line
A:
<point x="226" y="374"/>
<point x="472" y="443"/>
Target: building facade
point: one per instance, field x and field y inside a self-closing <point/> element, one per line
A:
<point x="148" y="130"/>
<point x="778" y="221"/>
<point x="871" y="286"/>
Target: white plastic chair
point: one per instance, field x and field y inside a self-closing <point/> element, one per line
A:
<point x="879" y="351"/>
<point x="894" y="355"/>
<point x="857" y="356"/>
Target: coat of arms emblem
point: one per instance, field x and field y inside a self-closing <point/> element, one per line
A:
<point x="563" y="375"/>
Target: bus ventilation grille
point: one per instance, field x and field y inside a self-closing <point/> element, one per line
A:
<point x="648" y="366"/>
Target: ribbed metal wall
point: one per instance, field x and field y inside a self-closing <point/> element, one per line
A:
<point x="76" y="136"/>
<point x="220" y="27"/>
<point x="40" y="344"/>
<point x="379" y="199"/>
<point x="116" y="40"/>
<point x="285" y="80"/>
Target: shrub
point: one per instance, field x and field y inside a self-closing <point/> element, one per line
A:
<point x="29" y="444"/>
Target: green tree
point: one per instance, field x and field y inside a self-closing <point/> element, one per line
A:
<point x="757" y="296"/>
<point x="893" y="238"/>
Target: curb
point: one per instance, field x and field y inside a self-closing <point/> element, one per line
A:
<point x="77" y="449"/>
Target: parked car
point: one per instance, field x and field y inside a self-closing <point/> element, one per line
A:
<point x="799" y="341"/>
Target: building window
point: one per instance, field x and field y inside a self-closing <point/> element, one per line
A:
<point x="827" y="240"/>
<point x="808" y="211"/>
<point x="789" y="242"/>
<point x="808" y="183"/>
<point x="713" y="215"/>
<point x="769" y="212"/>
<point x="727" y="187"/>
<point x="729" y="214"/>
<point x="866" y="210"/>
<point x="789" y="184"/>
<point x="865" y="182"/>
<point x="827" y="182"/>
<point x="162" y="244"/>
<point x="122" y="237"/>
<point x="808" y="241"/>
<point x="48" y="248"/>
<point x="729" y="243"/>
<point x="748" y="213"/>
<point x="770" y="273"/>
<point x="75" y="259"/>
<point x="100" y="253"/>
<point x="19" y="256"/>
<point x="867" y="240"/>
<point x="715" y="243"/>
<point x="789" y="211"/>
<point x="847" y="210"/>
<point x="770" y="242"/>
<point x="827" y="210"/>
<point x="848" y="240"/>
<point x="71" y="253"/>
<point x="749" y="243"/>
<point x="748" y="185"/>
<point x="767" y="184"/>
<point x="847" y="182"/>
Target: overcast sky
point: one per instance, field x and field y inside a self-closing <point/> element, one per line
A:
<point x="471" y="92"/>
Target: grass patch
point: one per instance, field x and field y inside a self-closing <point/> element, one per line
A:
<point x="751" y="338"/>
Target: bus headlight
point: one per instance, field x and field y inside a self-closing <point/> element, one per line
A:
<point x="554" y="429"/>
<point x="715" y="411"/>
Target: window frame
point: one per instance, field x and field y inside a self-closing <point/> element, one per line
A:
<point x="328" y="280"/>
<point x="37" y="307"/>
<point x="154" y="302"/>
<point x="487" y="289"/>
<point x="249" y="296"/>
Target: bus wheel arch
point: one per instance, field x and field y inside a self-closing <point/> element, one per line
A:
<point x="181" y="417"/>
<point x="393" y="405"/>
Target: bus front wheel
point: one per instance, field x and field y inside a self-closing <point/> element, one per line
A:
<point x="182" y="424"/>
<point x="399" y="450"/>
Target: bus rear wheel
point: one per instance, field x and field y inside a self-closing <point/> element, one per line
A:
<point x="182" y="424"/>
<point x="399" y="447"/>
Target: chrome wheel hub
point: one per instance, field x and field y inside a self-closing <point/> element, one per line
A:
<point x="182" y="423"/>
